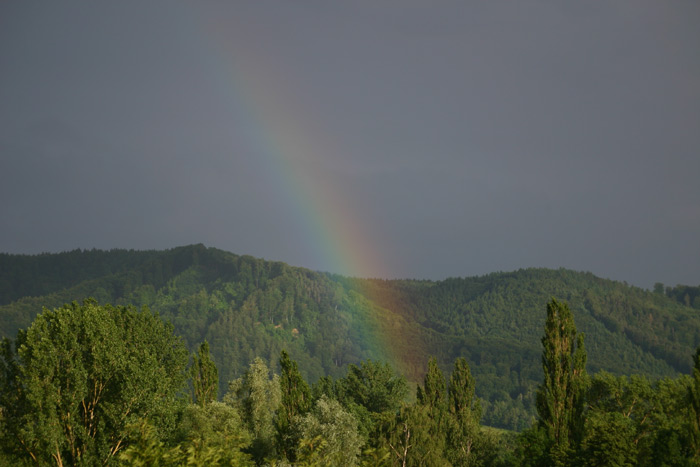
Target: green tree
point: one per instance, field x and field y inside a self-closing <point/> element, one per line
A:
<point x="628" y="406"/>
<point x="433" y="394"/>
<point x="295" y="401"/>
<point x="694" y="396"/>
<point x="465" y="413"/>
<point x="375" y="386"/>
<point x="86" y="372"/>
<point x="256" y="396"/>
<point x="328" y="435"/>
<point x="372" y="392"/>
<point x="432" y="398"/>
<point x="215" y="427"/>
<point x="205" y="376"/>
<point x="560" y="397"/>
<point x="408" y="436"/>
<point x="609" y="441"/>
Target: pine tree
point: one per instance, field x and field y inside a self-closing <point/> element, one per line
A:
<point x="560" y="397"/>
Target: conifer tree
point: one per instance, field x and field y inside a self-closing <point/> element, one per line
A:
<point x="560" y="397"/>
<point x="205" y="376"/>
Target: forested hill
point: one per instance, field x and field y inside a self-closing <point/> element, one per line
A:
<point x="247" y="307"/>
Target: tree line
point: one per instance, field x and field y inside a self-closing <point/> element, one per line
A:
<point x="91" y="384"/>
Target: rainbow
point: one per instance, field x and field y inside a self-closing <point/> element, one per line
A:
<point x="293" y="158"/>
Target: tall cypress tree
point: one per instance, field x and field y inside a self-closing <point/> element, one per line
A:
<point x="560" y="397"/>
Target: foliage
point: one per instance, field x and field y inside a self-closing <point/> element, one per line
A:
<point x="205" y="376"/>
<point x="216" y="428"/>
<point x="81" y="375"/>
<point x="694" y="397"/>
<point x="66" y="398"/>
<point x="560" y="397"/>
<point x="256" y="396"/>
<point x="371" y="391"/>
<point x="431" y="402"/>
<point x="465" y="439"/>
<point x="328" y="434"/>
<point x="295" y="402"/>
<point x="212" y="441"/>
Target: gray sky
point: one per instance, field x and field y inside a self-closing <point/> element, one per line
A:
<point x="391" y="138"/>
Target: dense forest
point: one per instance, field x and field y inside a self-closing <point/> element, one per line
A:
<point x="248" y="308"/>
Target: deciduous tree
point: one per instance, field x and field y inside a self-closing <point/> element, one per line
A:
<point x="295" y="402"/>
<point x="205" y="376"/>
<point x="560" y="397"/>
<point x="85" y="372"/>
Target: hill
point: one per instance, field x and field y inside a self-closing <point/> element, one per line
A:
<point x="247" y="307"/>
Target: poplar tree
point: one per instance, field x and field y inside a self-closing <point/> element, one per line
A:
<point x="695" y="406"/>
<point x="465" y="413"/>
<point x="205" y="376"/>
<point x="560" y="397"/>
<point x="433" y="392"/>
<point x="295" y="402"/>
<point x="432" y="401"/>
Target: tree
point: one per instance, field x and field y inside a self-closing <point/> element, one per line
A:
<point x="375" y="386"/>
<point x="86" y="372"/>
<point x="215" y="427"/>
<point x="465" y="412"/>
<point x="205" y="376"/>
<point x="372" y="392"/>
<point x="433" y="394"/>
<point x="694" y="396"/>
<point x="328" y="435"/>
<point x="256" y="396"/>
<point x="463" y="402"/>
<point x="295" y="401"/>
<point x="609" y="440"/>
<point x="560" y="397"/>
<point x="410" y="438"/>
<point x="432" y="398"/>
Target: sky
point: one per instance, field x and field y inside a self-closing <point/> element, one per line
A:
<point x="389" y="138"/>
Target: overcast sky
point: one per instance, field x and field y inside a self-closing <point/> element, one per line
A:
<point x="391" y="138"/>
